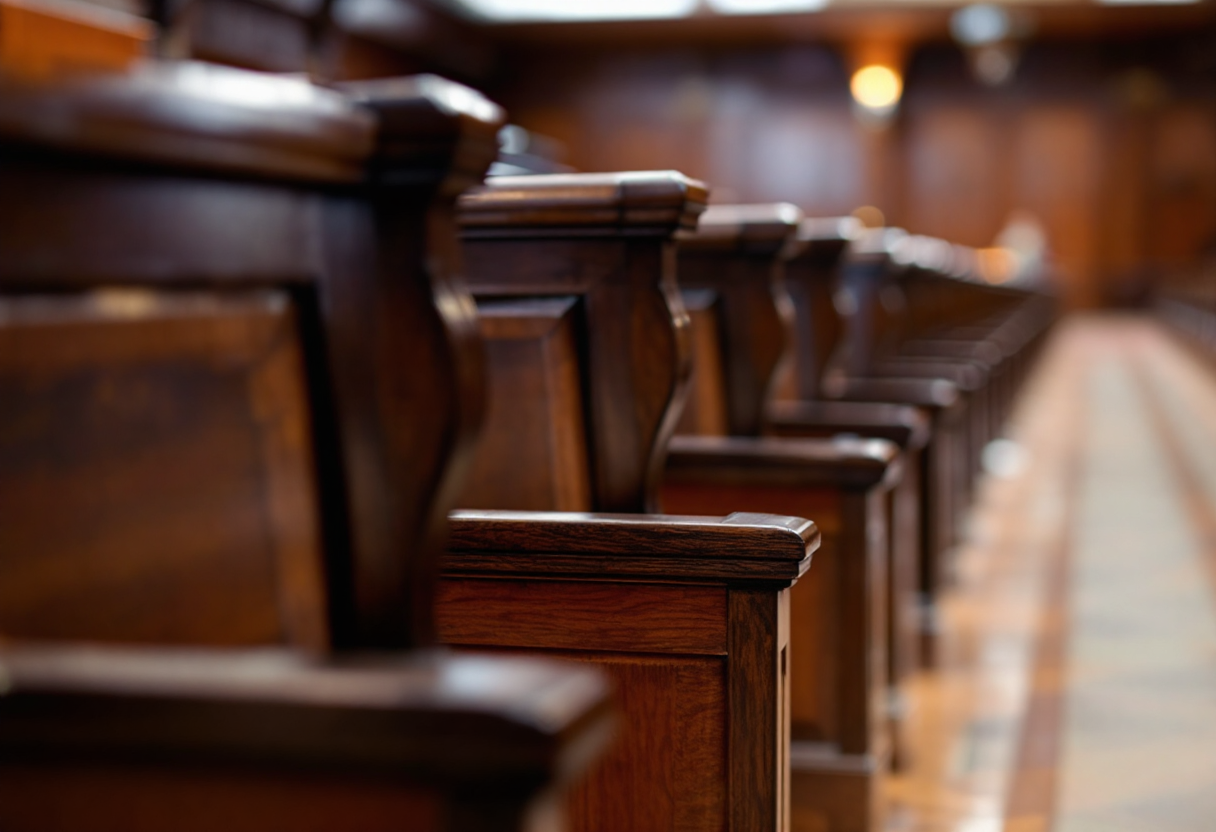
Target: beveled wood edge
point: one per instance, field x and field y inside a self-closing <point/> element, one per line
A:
<point x="429" y="121"/>
<point x="194" y="116"/>
<point x="762" y="228"/>
<point x="428" y="712"/>
<point x="644" y="202"/>
<point x="907" y="421"/>
<point x="846" y="462"/>
<point x="745" y="539"/>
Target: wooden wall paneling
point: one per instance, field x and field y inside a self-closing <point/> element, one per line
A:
<point x="1057" y="164"/>
<point x="955" y="172"/>
<point x="1181" y="183"/>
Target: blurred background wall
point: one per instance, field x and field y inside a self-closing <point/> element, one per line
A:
<point x="1094" y="123"/>
<point x="1108" y="138"/>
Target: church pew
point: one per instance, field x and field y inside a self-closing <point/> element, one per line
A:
<point x="807" y="390"/>
<point x="874" y="312"/>
<point x="732" y="270"/>
<point x="221" y="486"/>
<point x="587" y="353"/>
<point x="977" y="305"/>
<point x="524" y="314"/>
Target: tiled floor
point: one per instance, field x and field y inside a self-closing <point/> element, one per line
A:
<point x="1078" y="687"/>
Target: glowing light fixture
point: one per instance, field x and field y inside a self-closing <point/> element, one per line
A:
<point x="513" y="11"/>
<point x="766" y="6"/>
<point x="877" y="89"/>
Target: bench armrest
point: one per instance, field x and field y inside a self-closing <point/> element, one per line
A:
<point x="740" y="546"/>
<point x="906" y="426"/>
<point x="842" y="462"/>
<point x="432" y="714"/>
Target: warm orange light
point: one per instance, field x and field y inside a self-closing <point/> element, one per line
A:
<point x="876" y="87"/>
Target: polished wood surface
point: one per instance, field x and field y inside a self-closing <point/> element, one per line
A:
<point x="244" y="458"/>
<point x="738" y="255"/>
<point x="688" y="615"/>
<point x="180" y="423"/>
<point x="606" y="239"/>
<point x="577" y="273"/>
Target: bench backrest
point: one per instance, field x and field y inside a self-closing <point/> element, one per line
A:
<point x="732" y="275"/>
<point x="587" y="339"/>
<point x="236" y="378"/>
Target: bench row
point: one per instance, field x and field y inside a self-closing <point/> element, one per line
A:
<point x="259" y="339"/>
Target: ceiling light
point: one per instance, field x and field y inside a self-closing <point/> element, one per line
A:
<point x="876" y="88"/>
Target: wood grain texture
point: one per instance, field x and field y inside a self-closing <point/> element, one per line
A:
<point x="532" y="452"/>
<point x="704" y="412"/>
<point x="838" y="649"/>
<point x="593" y="203"/>
<point x="759" y="691"/>
<point x="842" y="461"/>
<point x="182" y="462"/>
<point x="633" y="346"/>
<point x="668" y="768"/>
<point x="738" y="252"/>
<point x="621" y="617"/>
<point x="194" y="430"/>
<point x="195" y="116"/>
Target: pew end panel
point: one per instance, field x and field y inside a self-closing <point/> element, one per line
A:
<point x="909" y="428"/>
<point x="605" y="239"/>
<point x="838" y="670"/>
<point x="690" y="618"/>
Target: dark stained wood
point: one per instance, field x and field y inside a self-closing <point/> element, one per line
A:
<point x="182" y="462"/>
<point x="605" y="238"/>
<point x="624" y="619"/>
<point x="533" y="448"/>
<point x="239" y="455"/>
<point x="682" y="780"/>
<point x="737" y="252"/>
<point x="705" y="408"/>
<point x="760" y="731"/>
<point x="741" y="545"/>
<point x="695" y="649"/>
<point x="837" y="656"/>
<point x="224" y="120"/>
<point x="387" y="734"/>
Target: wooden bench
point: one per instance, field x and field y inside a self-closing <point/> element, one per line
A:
<point x="221" y="484"/>
<point x="806" y="392"/>
<point x="732" y="273"/>
<point x="587" y="350"/>
<point x="744" y="330"/>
